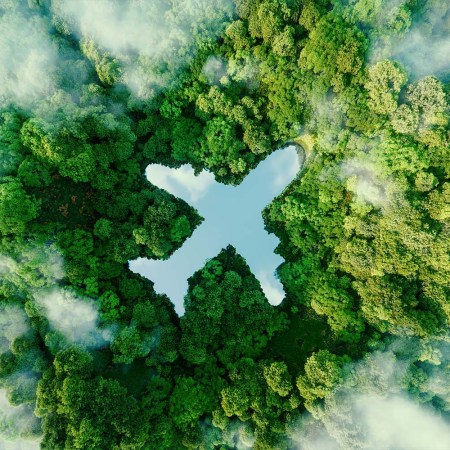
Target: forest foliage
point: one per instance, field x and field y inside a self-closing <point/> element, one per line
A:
<point x="91" y="356"/>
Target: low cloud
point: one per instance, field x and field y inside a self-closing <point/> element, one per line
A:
<point x="215" y="69"/>
<point x="13" y="324"/>
<point x="422" y="54"/>
<point x="237" y="435"/>
<point x="37" y="271"/>
<point x="372" y="410"/>
<point x="20" y="444"/>
<point x="75" y="318"/>
<point x="424" y="48"/>
<point x="17" y="425"/>
<point x="151" y="40"/>
<point x="373" y="423"/>
<point x="35" y="267"/>
<point x="244" y="69"/>
<point x="363" y="180"/>
<point x="7" y="265"/>
<point x="398" y="423"/>
<point x="27" y="58"/>
<point x="181" y="182"/>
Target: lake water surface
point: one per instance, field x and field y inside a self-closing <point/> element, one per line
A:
<point x="232" y="217"/>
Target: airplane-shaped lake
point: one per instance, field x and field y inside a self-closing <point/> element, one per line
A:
<point x="233" y="216"/>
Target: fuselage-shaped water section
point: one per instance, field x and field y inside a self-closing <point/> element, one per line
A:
<point x="233" y="216"/>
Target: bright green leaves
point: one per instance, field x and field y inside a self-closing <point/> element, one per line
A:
<point x="11" y="149"/>
<point x="108" y="69"/>
<point x="363" y="230"/>
<point x="259" y="394"/>
<point x="237" y="33"/>
<point x="323" y="373"/>
<point x="147" y="331"/>
<point x="284" y="42"/>
<point x="180" y="229"/>
<point x="383" y="19"/>
<point x="150" y="334"/>
<point x="17" y="208"/>
<point x="405" y="120"/>
<point x="81" y="142"/>
<point x="395" y="260"/>
<point x="278" y="378"/>
<point x="231" y="129"/>
<point x="222" y="142"/>
<point x="110" y="306"/>
<point x="73" y="361"/>
<point x="394" y="304"/>
<point x="439" y="203"/>
<point x="96" y="412"/>
<point x="334" y="52"/>
<point x="227" y="315"/>
<point x="385" y="80"/>
<point x="189" y="401"/>
<point x="154" y="233"/>
<point x="79" y="167"/>
<point x="428" y="98"/>
<point x="334" y="299"/>
<point x="266" y="21"/>
<point x="423" y="111"/>
<point x="128" y="346"/>
<point x="103" y="228"/>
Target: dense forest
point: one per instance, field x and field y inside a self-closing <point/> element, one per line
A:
<point x="92" y="92"/>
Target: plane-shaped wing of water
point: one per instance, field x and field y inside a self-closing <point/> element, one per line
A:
<point x="232" y="217"/>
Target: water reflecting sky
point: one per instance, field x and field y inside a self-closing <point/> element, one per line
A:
<point x="232" y="217"/>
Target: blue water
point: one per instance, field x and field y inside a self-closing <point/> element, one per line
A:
<point x="232" y="217"/>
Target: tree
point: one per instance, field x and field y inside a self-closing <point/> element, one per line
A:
<point x="428" y="98"/>
<point x="188" y="402"/>
<point x="323" y="373"/>
<point x="278" y="378"/>
<point x="128" y="345"/>
<point x="221" y="145"/>
<point x="334" y="51"/>
<point x="363" y="230"/>
<point x="164" y="228"/>
<point x="108" y="69"/>
<point x="92" y="411"/>
<point x="17" y="208"/>
<point x="385" y="80"/>
<point x="33" y="173"/>
<point x="227" y="315"/>
<point x="11" y="149"/>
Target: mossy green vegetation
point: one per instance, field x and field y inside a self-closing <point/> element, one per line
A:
<point x="92" y="354"/>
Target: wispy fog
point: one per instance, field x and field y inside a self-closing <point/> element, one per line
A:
<point x="424" y="48"/>
<point x="74" y="317"/>
<point x="237" y="435"/>
<point x="152" y="39"/>
<point x="13" y="323"/>
<point x="27" y="58"/>
<point x="423" y="54"/>
<point x="16" y="422"/>
<point x="214" y="69"/>
<point x="363" y="180"/>
<point x="372" y="410"/>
